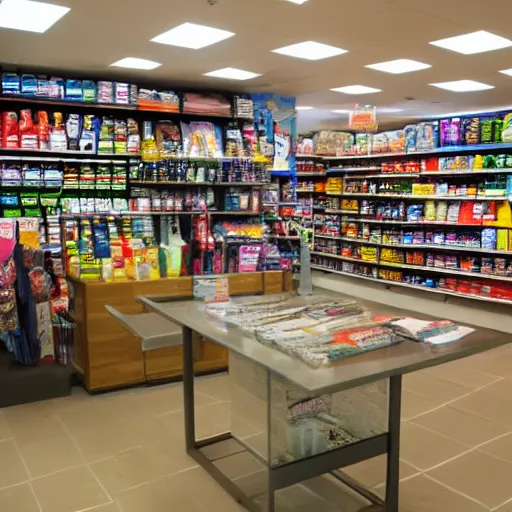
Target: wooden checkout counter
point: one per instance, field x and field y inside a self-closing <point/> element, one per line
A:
<point x="108" y="356"/>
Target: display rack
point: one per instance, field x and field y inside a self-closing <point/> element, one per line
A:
<point x="351" y="232"/>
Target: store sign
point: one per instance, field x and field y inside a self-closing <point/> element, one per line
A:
<point x="363" y="119"/>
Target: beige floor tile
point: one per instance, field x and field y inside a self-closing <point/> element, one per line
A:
<point x="433" y="388"/>
<point x="499" y="364"/>
<point x="116" y="435"/>
<point x="461" y="426"/>
<point x="158" y="496"/>
<point x="5" y="429"/>
<point x="18" y="498"/>
<point x="50" y="454"/>
<point x="421" y="494"/>
<point x="414" y="405"/>
<point x="506" y="507"/>
<point x="12" y="469"/>
<point x="144" y="464"/>
<point x="372" y="472"/>
<point x="239" y="465"/>
<point x="211" y="495"/>
<point x="461" y="373"/>
<point x="109" y="507"/>
<point x="424" y="448"/>
<point x="214" y="386"/>
<point x="22" y="426"/>
<point x="79" y="415"/>
<point x="169" y="398"/>
<point x="483" y="404"/>
<point x="69" y="491"/>
<point x="501" y="388"/>
<point x="210" y="420"/>
<point x="500" y="448"/>
<point x="478" y="475"/>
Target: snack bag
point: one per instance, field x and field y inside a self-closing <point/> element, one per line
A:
<point x="43" y="130"/>
<point x="58" y="138"/>
<point x="28" y="132"/>
<point x="10" y="130"/>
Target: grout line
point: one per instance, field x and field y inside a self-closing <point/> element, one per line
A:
<point x="35" y="497"/>
<point x="432" y="376"/>
<point x="85" y="461"/>
<point x="22" y="459"/>
<point x="29" y="475"/>
<point x="455" y="399"/>
<point x="456" y="491"/>
<point x="14" y="485"/>
<point x="502" y="504"/>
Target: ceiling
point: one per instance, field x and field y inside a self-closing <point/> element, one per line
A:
<point x="96" y="33"/>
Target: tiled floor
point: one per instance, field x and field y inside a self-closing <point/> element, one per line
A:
<point x="123" y="452"/>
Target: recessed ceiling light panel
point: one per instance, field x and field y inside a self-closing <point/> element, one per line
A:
<point x="304" y="108"/>
<point x="30" y="16"/>
<point x="399" y="66"/>
<point x="232" y="74"/>
<point x="463" y="86"/>
<point x="299" y="2"/>
<point x="310" y="50"/>
<point x="474" y="42"/>
<point x="191" y="35"/>
<point x="356" y="89"/>
<point x="507" y="71"/>
<point x="135" y="63"/>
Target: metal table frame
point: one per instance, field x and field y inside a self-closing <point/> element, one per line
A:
<point x="350" y="373"/>
<point x="304" y="469"/>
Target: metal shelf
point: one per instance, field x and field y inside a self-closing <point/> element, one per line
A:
<point x="197" y="184"/>
<point x="333" y="170"/>
<point x="413" y="286"/>
<point x="416" y="196"/>
<point x="424" y="223"/>
<point x="444" y="150"/>
<point x="454" y="248"/>
<point x="419" y="268"/>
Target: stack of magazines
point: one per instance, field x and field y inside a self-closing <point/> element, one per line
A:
<point x="327" y="329"/>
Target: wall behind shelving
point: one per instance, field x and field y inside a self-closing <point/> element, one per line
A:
<point x="483" y="314"/>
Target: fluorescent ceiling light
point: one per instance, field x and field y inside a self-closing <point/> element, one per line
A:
<point x="232" y="74"/>
<point x="389" y="110"/>
<point x="399" y="66"/>
<point x="310" y="50"/>
<point x="299" y="2"/>
<point x="341" y="111"/>
<point x="356" y="89"/>
<point x="463" y="86"/>
<point x="190" y="35"/>
<point x="507" y="71"/>
<point x="135" y="63"/>
<point x="474" y="42"/>
<point x="30" y="16"/>
<point x="303" y="108"/>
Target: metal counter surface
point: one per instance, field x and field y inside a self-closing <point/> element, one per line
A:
<point x="399" y="359"/>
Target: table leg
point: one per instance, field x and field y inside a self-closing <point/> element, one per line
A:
<point x="188" y="389"/>
<point x="270" y="480"/>
<point x="393" y="459"/>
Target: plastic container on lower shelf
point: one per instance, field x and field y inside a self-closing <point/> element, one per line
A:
<point x="301" y="425"/>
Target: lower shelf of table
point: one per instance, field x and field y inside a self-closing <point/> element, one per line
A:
<point x="245" y="476"/>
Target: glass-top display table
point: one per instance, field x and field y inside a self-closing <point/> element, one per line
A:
<point x="299" y="422"/>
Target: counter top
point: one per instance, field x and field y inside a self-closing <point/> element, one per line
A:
<point x="358" y="370"/>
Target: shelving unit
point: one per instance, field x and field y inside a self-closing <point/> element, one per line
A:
<point x="368" y="171"/>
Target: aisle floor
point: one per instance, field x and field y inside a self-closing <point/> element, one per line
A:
<point x="123" y="452"/>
